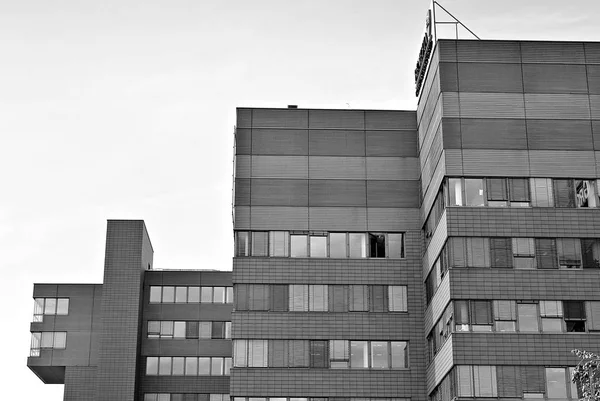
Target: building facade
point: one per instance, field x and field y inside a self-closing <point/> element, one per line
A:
<point x="447" y="252"/>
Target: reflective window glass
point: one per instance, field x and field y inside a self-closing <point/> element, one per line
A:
<point x="556" y="383"/>
<point x="181" y="294"/>
<point x="206" y="295"/>
<point x="47" y="339"/>
<point x="168" y="294"/>
<point x="505" y="326"/>
<point x="191" y="366"/>
<point x="379" y="355"/>
<point x="541" y="192"/>
<point x="155" y="294"/>
<point x="358" y="245"/>
<point x="62" y="306"/>
<point x="474" y="192"/>
<point x="337" y="245"/>
<point x="299" y="246"/>
<point x="229" y="292"/>
<point x="227" y="366"/>
<point x="260" y="242"/>
<point x="216" y="366"/>
<point x="455" y="192"/>
<point x="38" y="309"/>
<point x="179" y="330"/>
<point x="60" y="340"/>
<point x="527" y="317"/>
<point x="205" y="329"/>
<point x="203" y="366"/>
<point x="359" y="354"/>
<point x="279" y="243"/>
<point x="242" y="243"/>
<point x="399" y="352"/>
<point x="227" y="329"/>
<point x="164" y="366"/>
<point x="396" y="246"/>
<point x="585" y="193"/>
<point x="194" y="295"/>
<point x="219" y="295"/>
<point x="50" y="306"/>
<point x="318" y="247"/>
<point x="397" y="297"/>
<point x="178" y="365"/>
<point x="166" y="328"/>
<point x="152" y="366"/>
<point x="552" y="325"/>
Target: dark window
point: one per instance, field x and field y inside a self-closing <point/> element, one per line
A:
<point x="519" y="190"/>
<point x="377" y="245"/>
<point x="279" y="298"/>
<point x="218" y="330"/>
<point x="191" y="330"/>
<point x="564" y="194"/>
<point x="338" y="298"/>
<point x="574" y="314"/>
<point x="590" y="249"/>
<point x="545" y="252"/>
<point x="319" y="357"/>
<point x="379" y="298"/>
<point x="497" y="192"/>
<point x="501" y="252"/>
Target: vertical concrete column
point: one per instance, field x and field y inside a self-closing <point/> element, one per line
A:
<point x="128" y="254"/>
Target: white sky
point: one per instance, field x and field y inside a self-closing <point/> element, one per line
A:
<point x="124" y="109"/>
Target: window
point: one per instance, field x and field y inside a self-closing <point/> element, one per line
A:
<point x="250" y="353"/>
<point x="49" y="306"/>
<point x="299" y="246"/>
<point x="260" y="243"/>
<point x="473" y="315"/>
<point x="318" y="246"/>
<point x="186" y="366"/>
<point x="469" y="252"/>
<point x="505" y="315"/>
<point x="523" y="250"/>
<point x="569" y="253"/>
<point x="339" y="357"/>
<point x="242" y="243"/>
<point x="357" y="245"/>
<point x="541" y="192"/>
<point x="545" y="253"/>
<point x="47" y="340"/>
<point x="396" y="246"/>
<point x="474" y="192"/>
<point x="556" y="383"/>
<point x="574" y="315"/>
<point x="337" y="245"/>
<point x="397" y="298"/>
<point x="303" y="298"/>
<point x="376" y="245"/>
<point x="167" y="329"/>
<point x="551" y="316"/>
<point x="590" y="249"/>
<point x="564" y="193"/>
<point x="279" y="243"/>
<point x="497" y="192"/>
<point x="527" y="317"/>
<point x="455" y="196"/>
<point x="181" y="294"/>
<point x="477" y="381"/>
<point x="585" y="193"/>
<point x="194" y="295"/>
<point x="168" y="294"/>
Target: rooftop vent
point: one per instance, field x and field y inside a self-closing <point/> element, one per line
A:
<point x="292" y="106"/>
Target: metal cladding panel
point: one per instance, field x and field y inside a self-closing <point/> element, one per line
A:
<point x="392" y="168"/>
<point x="597" y="155"/>
<point x="562" y="163"/>
<point x="487" y="77"/>
<point x="243" y="141"/>
<point x="390" y="119"/>
<point x="499" y="163"/>
<point x="438" y="239"/>
<point x="244" y="118"/>
<point x="453" y="162"/>
<point x="596" y="133"/>
<point x="242" y="191"/>
<point x="451" y="133"/>
<point x="438" y="304"/>
<point x="80" y="383"/>
<point x="338" y="218"/>
<point x="450" y="106"/>
<point x="279" y="142"/>
<point x="279" y="166"/>
<point x="448" y="77"/>
<point x="430" y="129"/>
<point x="593" y="79"/>
<point x="553" y="52"/>
<point x="559" y="134"/>
<point x="488" y="133"/>
<point x="349" y="119"/>
<point x="278" y="218"/>
<point x="488" y="51"/>
<point x="447" y="50"/>
<point x="441" y="365"/>
<point x="592" y="53"/>
<point x="241" y="220"/>
<point x="490" y="105"/>
<point x="393" y="219"/>
<point x="392" y="143"/>
<point x="433" y="103"/>
<point x="337" y="193"/>
<point x="242" y="166"/>
<point x="279" y="118"/>
<point x="336" y="143"/>
<point x="554" y="78"/>
<point x="595" y="106"/>
<point x="393" y="193"/>
<point x="430" y="189"/>
<point x="430" y="93"/>
<point x="350" y="168"/>
<point x="276" y="192"/>
<point x="557" y="106"/>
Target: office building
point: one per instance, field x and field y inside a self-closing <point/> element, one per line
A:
<point x="452" y="251"/>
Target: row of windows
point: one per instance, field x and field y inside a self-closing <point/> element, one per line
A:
<point x="185" y="397"/>
<point x="517" y="253"/>
<point x="319" y="244"/>
<point x="514" y="316"/>
<point x="47" y="340"/>
<point x="49" y="306"/>
<point x="187" y="366"/>
<point x="321" y="298"/>
<point x="168" y="329"/>
<point x="316" y="399"/>
<point x="190" y="295"/>
<point x="507" y="382"/>
<point x="333" y="354"/>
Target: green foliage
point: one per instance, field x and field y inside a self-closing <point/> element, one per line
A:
<point x="587" y="375"/>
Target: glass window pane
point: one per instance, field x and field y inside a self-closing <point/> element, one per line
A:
<point x="155" y="294"/>
<point x="166" y="328"/>
<point x="206" y="295"/>
<point x="318" y="247"/>
<point x="50" y="306"/>
<point x="168" y="294"/>
<point x="150" y="397"/>
<point x="585" y="193"/>
<point x="299" y="246"/>
<point x="279" y="243"/>
<point x="227" y="329"/>
<point x="194" y="295"/>
<point x="455" y="192"/>
<point x="505" y="326"/>
<point x="164" y="366"/>
<point x="181" y="295"/>
<point x="358" y="245"/>
<point x="60" y="340"/>
<point x="318" y="298"/>
<point x="358" y="354"/>
<point x="474" y="192"/>
<point x="178" y="363"/>
<point x="397" y="298"/>
<point x="179" y="330"/>
<point x="556" y="383"/>
<point x="62" y="306"/>
<point x="569" y="253"/>
<point x="152" y="366"/>
<point x="541" y="192"/>
<point x="552" y="325"/>
<point x="36" y="339"/>
<point x="485" y="382"/>
<point x="399" y="354"/>
<point x="396" y="245"/>
<point x="38" y="310"/>
<point x="338" y="349"/>
<point x="227" y="366"/>
<point x="164" y="397"/>
<point x="203" y="366"/>
<point x="376" y="245"/>
<point x="379" y="355"/>
<point x="337" y="245"/>
<point x="527" y="317"/>
<point x="191" y="366"/>
<point x="219" y="295"/>
<point x="205" y="329"/>
<point x="216" y="366"/>
<point x="564" y="193"/>
<point x="298" y="298"/>
<point x="47" y="339"/>
<point x="242" y="243"/>
<point x="229" y="295"/>
<point x="465" y="380"/>
<point x="260" y="243"/>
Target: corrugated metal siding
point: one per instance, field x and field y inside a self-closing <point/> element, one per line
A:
<point x="393" y="194"/>
<point x="430" y="190"/>
<point x="276" y="192"/>
<point x="488" y="51"/>
<point x="244" y="118"/>
<point x="498" y="163"/>
<point x="279" y="142"/>
<point x="593" y="79"/>
<point x="242" y="166"/>
<point x="450" y="106"/>
<point x="555" y="106"/>
<point x="390" y="119"/>
<point x="453" y="162"/>
<point x="279" y="118"/>
<point x="338" y="193"/>
<point x="595" y="106"/>
<point x="490" y="105"/>
<point x="448" y="77"/>
<point x="430" y="92"/>
<point x="243" y="141"/>
<point x="242" y="218"/>
<point x="486" y="77"/>
<point x="438" y="304"/>
<point x="447" y="50"/>
<point x="279" y="218"/>
<point x="441" y="365"/>
<point x="552" y="52"/>
<point x="393" y="219"/>
<point x="557" y="163"/>
<point x="431" y="158"/>
<point x="493" y="134"/>
<point x="597" y="156"/>
<point x="323" y="167"/>
<point x="596" y="133"/>
<point x="336" y="143"/>
<point x="427" y="131"/>
<point x="242" y="191"/>
<point x="559" y="134"/>
<point x="392" y="143"/>
<point x="338" y="218"/>
<point x="592" y="53"/>
<point x="554" y="78"/>
<point x="433" y="103"/>
<point x="451" y="133"/>
<point x="352" y="119"/>
<point x="392" y="168"/>
<point x="279" y="166"/>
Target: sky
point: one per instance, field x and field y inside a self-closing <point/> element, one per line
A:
<point x="125" y="109"/>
